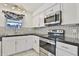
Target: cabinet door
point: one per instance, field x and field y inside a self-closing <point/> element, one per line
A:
<point x="66" y="48"/>
<point x="69" y="13"/>
<point x="8" y="46"/>
<point x="23" y="43"/>
<point x="60" y="52"/>
<point x="77" y="12"/>
<point x="0" y="48"/>
<point x="57" y="7"/>
<point x="36" y="44"/>
<point x="29" y="42"/>
<point x="41" y="20"/>
<point x="20" y="44"/>
<point x="36" y="21"/>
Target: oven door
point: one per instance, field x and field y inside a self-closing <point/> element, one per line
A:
<point x="48" y="47"/>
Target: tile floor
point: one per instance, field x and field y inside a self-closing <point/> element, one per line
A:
<point x="29" y="53"/>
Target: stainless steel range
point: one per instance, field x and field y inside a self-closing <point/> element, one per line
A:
<point x="55" y="35"/>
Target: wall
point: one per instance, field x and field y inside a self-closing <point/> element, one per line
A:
<point x="71" y="31"/>
<point x="26" y="21"/>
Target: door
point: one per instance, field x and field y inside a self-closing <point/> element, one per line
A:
<point x="41" y="20"/>
<point x="60" y="52"/>
<point x="69" y="14"/>
<point x="36" y="44"/>
<point x="36" y="21"/>
<point x="29" y="42"/>
<point x="20" y="44"/>
<point x="23" y="43"/>
<point x="8" y="46"/>
<point x="0" y="48"/>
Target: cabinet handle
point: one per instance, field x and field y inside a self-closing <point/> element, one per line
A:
<point x="64" y="47"/>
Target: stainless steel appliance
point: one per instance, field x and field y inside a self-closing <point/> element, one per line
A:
<point x="54" y="35"/>
<point x="55" y="18"/>
<point x="48" y="48"/>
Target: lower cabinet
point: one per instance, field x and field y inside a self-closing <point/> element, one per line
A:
<point x="0" y="48"/>
<point x="8" y="46"/>
<point x="20" y="44"/>
<point x="12" y="45"/>
<point x="61" y="52"/>
<point x="36" y="43"/>
<point x="64" y="49"/>
<point x="29" y="42"/>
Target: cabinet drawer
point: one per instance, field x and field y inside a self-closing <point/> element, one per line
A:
<point x="61" y="52"/>
<point x="67" y="47"/>
<point x="0" y="48"/>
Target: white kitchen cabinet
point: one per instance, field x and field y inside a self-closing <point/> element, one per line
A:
<point x="0" y="48"/>
<point x="8" y="46"/>
<point x="41" y="20"/>
<point x="29" y="42"/>
<point x="12" y="45"/>
<point x="36" y="21"/>
<point x="36" y="44"/>
<point x="23" y="43"/>
<point x="53" y="9"/>
<point x="63" y="49"/>
<point x="20" y="44"/>
<point x="77" y="12"/>
<point x="61" y="52"/>
<point x="69" y="14"/>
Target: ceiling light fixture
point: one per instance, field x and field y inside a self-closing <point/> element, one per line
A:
<point x="5" y="4"/>
<point x="13" y="7"/>
<point x="23" y="11"/>
<point x="19" y="9"/>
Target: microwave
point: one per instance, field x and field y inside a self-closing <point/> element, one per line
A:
<point x="56" y="18"/>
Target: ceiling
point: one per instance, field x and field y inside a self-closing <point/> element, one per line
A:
<point x="31" y="7"/>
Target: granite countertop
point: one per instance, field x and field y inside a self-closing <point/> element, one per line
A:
<point x="69" y="42"/>
<point x="42" y="36"/>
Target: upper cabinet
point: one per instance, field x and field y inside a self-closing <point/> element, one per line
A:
<point x="53" y="9"/>
<point x="36" y="21"/>
<point x="41" y="20"/>
<point x="77" y="5"/>
<point x="69" y="14"/>
<point x="38" y="18"/>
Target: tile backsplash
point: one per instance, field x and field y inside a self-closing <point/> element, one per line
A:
<point x="71" y="31"/>
<point x="6" y="31"/>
